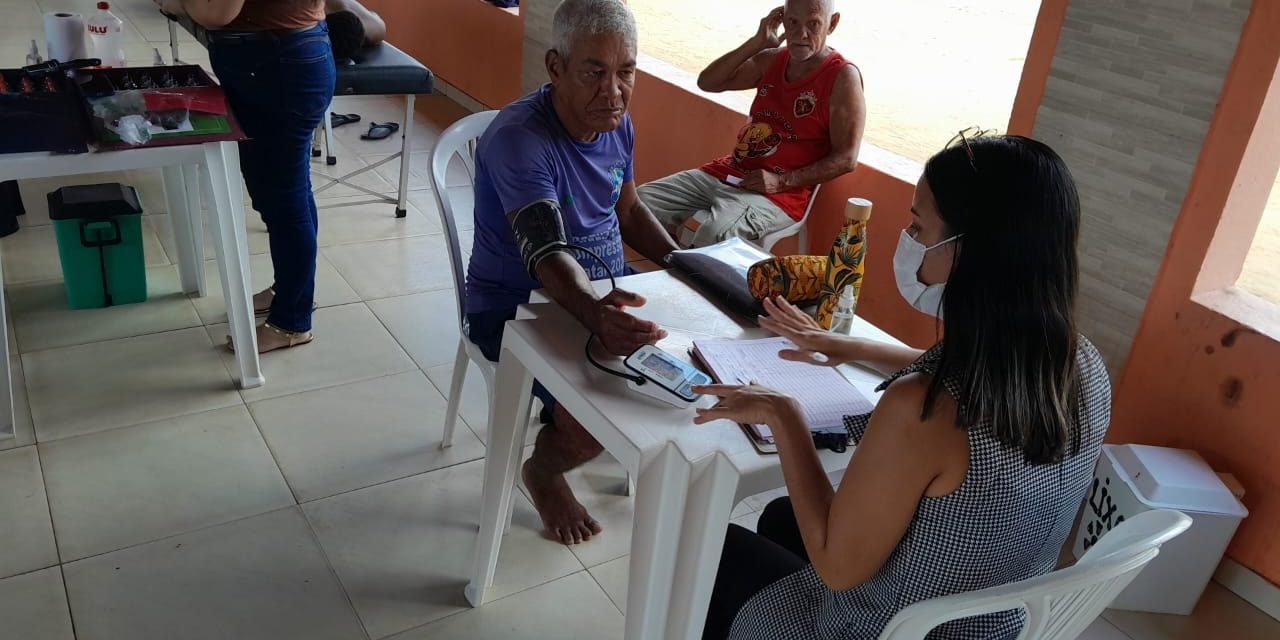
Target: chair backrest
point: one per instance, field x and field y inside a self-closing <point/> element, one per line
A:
<point x="460" y="140"/>
<point x="1061" y="604"/>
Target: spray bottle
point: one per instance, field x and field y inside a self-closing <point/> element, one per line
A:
<point x="842" y="319"/>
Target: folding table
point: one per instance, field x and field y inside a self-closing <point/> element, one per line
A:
<point x="688" y="477"/>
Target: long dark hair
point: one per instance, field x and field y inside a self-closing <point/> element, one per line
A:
<point x="1009" y="303"/>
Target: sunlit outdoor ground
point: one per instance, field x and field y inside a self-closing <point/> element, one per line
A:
<point x="931" y="67"/>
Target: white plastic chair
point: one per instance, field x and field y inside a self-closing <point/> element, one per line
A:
<point x="1059" y="605"/>
<point x="795" y="228"/>
<point x="459" y="139"/>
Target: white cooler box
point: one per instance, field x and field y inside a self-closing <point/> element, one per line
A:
<point x="1134" y="478"/>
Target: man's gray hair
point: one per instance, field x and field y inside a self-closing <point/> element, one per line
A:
<point x="576" y="19"/>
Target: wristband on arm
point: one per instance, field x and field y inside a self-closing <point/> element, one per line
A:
<point x="539" y="232"/>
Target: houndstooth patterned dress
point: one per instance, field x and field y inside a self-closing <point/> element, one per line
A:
<point x="1006" y="522"/>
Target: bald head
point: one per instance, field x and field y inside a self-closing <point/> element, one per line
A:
<point x="823" y="7"/>
<point x="806" y="25"/>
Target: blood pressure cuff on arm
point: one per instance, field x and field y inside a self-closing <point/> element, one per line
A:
<point x="539" y="232"/>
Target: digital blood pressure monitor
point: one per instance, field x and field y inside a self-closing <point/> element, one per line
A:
<point x="665" y="376"/>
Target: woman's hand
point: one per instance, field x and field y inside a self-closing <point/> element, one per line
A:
<point x="816" y="345"/>
<point x="747" y="404"/>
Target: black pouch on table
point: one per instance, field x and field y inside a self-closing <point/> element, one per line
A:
<point x="719" y="271"/>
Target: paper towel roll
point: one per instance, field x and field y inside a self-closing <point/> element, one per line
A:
<point x="64" y="36"/>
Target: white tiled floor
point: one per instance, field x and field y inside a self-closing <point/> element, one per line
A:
<point x="145" y="498"/>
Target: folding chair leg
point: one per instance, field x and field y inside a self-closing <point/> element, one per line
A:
<point x="460" y="364"/>
<point x="329" y="159"/>
<point x="528" y="414"/>
<point x="402" y="206"/>
<point x="315" y="143"/>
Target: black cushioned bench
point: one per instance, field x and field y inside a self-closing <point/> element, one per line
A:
<point x="378" y="70"/>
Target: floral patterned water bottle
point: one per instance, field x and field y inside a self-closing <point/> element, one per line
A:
<point x="845" y="262"/>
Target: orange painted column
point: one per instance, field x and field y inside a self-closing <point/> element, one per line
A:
<point x="1197" y="377"/>
<point x="1035" y="70"/>
<point x="472" y="45"/>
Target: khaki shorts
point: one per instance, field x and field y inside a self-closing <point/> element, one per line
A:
<point x="698" y="210"/>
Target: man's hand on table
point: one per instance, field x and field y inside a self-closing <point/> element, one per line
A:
<point x="620" y="332"/>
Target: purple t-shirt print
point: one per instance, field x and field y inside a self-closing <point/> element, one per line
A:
<point x="526" y="156"/>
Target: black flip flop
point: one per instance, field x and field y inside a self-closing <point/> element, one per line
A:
<point x="380" y="131"/>
<point x="338" y="119"/>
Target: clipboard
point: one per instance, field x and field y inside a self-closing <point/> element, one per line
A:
<point x="824" y="393"/>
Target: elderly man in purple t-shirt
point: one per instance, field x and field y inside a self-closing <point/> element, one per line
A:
<point x="554" y="172"/>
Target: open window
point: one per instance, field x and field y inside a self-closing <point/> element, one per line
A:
<point x="1260" y="275"/>
<point x="931" y="68"/>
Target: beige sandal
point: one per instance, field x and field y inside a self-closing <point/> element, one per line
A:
<point x="272" y="338"/>
<point x="269" y="294"/>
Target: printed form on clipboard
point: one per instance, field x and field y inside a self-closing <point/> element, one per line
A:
<point x="824" y="395"/>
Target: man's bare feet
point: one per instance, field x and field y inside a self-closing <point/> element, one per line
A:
<point x="564" y="519"/>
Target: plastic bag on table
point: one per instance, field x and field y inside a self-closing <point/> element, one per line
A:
<point x="136" y="116"/>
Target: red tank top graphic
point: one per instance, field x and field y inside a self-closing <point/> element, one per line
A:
<point x="789" y="128"/>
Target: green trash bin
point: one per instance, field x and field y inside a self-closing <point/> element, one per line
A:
<point x="99" y="232"/>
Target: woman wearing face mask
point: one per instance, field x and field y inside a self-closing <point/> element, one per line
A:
<point x="971" y="469"/>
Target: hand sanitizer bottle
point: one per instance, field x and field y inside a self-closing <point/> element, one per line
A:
<point x="842" y="319"/>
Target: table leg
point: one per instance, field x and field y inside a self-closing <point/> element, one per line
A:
<point x="402" y="199"/>
<point x="330" y="154"/>
<point x="221" y="165"/>
<point x="522" y="430"/>
<point x="511" y="391"/>
<point x="182" y="222"/>
<point x="7" y="422"/>
<point x="707" y="512"/>
<point x="173" y="42"/>
<point x="662" y="485"/>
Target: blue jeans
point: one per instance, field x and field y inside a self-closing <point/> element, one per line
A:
<point x="485" y="329"/>
<point x="279" y="89"/>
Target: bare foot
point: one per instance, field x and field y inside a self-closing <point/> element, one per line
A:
<point x="564" y="519"/>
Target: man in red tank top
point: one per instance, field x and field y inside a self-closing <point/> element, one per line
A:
<point x="805" y="129"/>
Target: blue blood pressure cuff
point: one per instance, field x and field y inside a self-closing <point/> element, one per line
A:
<point x="539" y="232"/>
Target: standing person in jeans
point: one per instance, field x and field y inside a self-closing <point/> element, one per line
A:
<point x="275" y="64"/>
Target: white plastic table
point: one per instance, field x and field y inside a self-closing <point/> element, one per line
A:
<point x="187" y="169"/>
<point x="688" y="477"/>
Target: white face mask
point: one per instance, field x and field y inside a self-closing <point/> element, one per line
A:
<point x="906" y="264"/>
